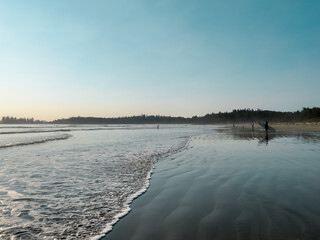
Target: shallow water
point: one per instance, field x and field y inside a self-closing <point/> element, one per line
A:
<point x="73" y="182"/>
<point x="232" y="185"/>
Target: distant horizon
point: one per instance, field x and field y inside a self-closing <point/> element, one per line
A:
<point x="162" y="115"/>
<point x="180" y="58"/>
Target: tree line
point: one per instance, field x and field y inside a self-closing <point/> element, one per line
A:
<point x="14" y="120"/>
<point x="141" y="119"/>
<point x="250" y="115"/>
<point x="236" y="116"/>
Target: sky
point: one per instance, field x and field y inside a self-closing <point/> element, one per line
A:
<point x="104" y="58"/>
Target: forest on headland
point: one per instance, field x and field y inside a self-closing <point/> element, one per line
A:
<point x="236" y="116"/>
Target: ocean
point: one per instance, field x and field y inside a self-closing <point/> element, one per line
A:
<point x="76" y="182"/>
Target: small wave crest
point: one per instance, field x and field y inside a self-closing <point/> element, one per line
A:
<point x="35" y="141"/>
<point x="36" y="131"/>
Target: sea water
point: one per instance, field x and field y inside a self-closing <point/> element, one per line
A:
<point x="75" y="182"/>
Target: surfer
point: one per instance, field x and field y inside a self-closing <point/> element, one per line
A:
<point x="266" y="126"/>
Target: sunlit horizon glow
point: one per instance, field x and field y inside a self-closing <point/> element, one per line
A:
<point x="60" y="59"/>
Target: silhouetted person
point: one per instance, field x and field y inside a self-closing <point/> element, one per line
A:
<point x="252" y="127"/>
<point x="266" y="126"/>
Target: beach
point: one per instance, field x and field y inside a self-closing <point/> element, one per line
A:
<point x="231" y="184"/>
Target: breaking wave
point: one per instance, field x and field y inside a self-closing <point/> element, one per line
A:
<point x="36" y="131"/>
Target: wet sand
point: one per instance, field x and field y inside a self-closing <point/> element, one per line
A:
<point x="231" y="185"/>
<point x="285" y="126"/>
<point x="298" y="127"/>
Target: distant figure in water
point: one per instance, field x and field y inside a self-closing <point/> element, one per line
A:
<point x="266" y="126"/>
<point x="157" y="126"/>
<point x="252" y="127"/>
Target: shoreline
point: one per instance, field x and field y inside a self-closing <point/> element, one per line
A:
<point x="130" y="200"/>
<point x="126" y="210"/>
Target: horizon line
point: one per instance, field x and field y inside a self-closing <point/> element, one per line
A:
<point x="158" y="115"/>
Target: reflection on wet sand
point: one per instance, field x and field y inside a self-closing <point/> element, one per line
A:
<point x="264" y="137"/>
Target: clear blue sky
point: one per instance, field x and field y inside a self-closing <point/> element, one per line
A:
<point x="170" y="57"/>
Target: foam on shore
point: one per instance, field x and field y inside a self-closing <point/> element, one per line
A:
<point x="126" y="207"/>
